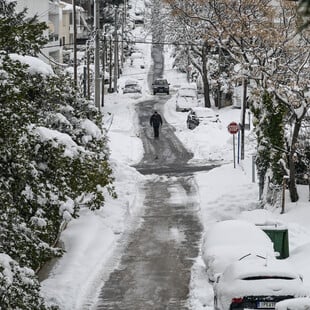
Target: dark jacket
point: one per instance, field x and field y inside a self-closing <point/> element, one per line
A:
<point x="156" y="120"/>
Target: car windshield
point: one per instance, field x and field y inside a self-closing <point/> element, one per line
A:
<point x="131" y="84"/>
<point x="161" y="82"/>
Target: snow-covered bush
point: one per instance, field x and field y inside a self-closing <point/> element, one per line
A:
<point x="53" y="159"/>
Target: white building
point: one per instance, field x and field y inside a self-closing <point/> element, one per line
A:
<point x="66" y="26"/>
<point x="48" y="12"/>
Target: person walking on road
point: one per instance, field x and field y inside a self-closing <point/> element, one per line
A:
<point x="156" y="121"/>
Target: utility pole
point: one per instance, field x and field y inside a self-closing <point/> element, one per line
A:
<point x="219" y="101"/>
<point x="74" y="44"/>
<point x="103" y="70"/>
<point x="115" y="51"/>
<point x="97" y="60"/>
<point x="243" y="109"/>
<point x="122" y="42"/>
<point x="110" y="67"/>
<point x="88" y="71"/>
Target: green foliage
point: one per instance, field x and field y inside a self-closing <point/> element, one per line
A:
<point x="19" y="288"/>
<point x="304" y="13"/>
<point x="17" y="35"/>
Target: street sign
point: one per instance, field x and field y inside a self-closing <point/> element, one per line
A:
<point x="233" y="128"/>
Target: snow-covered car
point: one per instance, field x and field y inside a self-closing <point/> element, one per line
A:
<point x="227" y="241"/>
<point x="257" y="283"/>
<point x="186" y="98"/>
<point x="201" y="115"/>
<point x="132" y="86"/>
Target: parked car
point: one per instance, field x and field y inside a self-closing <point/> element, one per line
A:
<point x="201" y="115"/>
<point x="227" y="241"/>
<point x="138" y="19"/>
<point x="132" y="86"/>
<point x="186" y="98"/>
<point x="160" y="86"/>
<point x="257" y="283"/>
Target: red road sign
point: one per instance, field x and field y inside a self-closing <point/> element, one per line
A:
<point x="233" y="128"/>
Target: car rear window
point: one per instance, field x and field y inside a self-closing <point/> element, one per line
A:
<point x="268" y="277"/>
<point x="161" y="82"/>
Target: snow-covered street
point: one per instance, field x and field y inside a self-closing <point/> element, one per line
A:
<point x="94" y="242"/>
<point x="155" y="155"/>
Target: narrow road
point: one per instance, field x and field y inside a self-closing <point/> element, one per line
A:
<point x="155" y="268"/>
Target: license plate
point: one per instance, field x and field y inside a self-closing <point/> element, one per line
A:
<point x="266" y="305"/>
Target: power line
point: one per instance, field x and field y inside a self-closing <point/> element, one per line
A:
<point x="142" y="42"/>
<point x="53" y="61"/>
<point x="139" y="42"/>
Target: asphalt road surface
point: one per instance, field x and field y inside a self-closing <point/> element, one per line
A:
<point x="155" y="265"/>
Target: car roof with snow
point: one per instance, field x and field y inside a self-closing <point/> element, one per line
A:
<point x="233" y="232"/>
<point x="131" y="82"/>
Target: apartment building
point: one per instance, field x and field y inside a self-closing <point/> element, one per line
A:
<point x="58" y="15"/>
<point x="47" y="11"/>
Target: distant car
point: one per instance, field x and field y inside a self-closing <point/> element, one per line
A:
<point x="132" y="86"/>
<point x="227" y="241"/>
<point x="200" y="115"/>
<point x="139" y="11"/>
<point x="160" y="86"/>
<point x="139" y="20"/>
<point x="257" y="283"/>
<point x="186" y="98"/>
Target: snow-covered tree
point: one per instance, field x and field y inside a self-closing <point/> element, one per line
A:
<point x="53" y="161"/>
<point x="262" y="37"/>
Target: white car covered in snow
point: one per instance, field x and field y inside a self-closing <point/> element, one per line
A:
<point x="132" y="86"/>
<point x="257" y="283"/>
<point x="227" y="241"/>
<point x="186" y="98"/>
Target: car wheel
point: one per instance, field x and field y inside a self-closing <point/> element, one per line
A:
<point x="154" y="92"/>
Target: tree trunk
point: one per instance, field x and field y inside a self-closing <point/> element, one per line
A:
<point x="292" y="181"/>
<point x="206" y="85"/>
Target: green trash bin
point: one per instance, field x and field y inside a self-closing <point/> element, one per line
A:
<point x="279" y="237"/>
